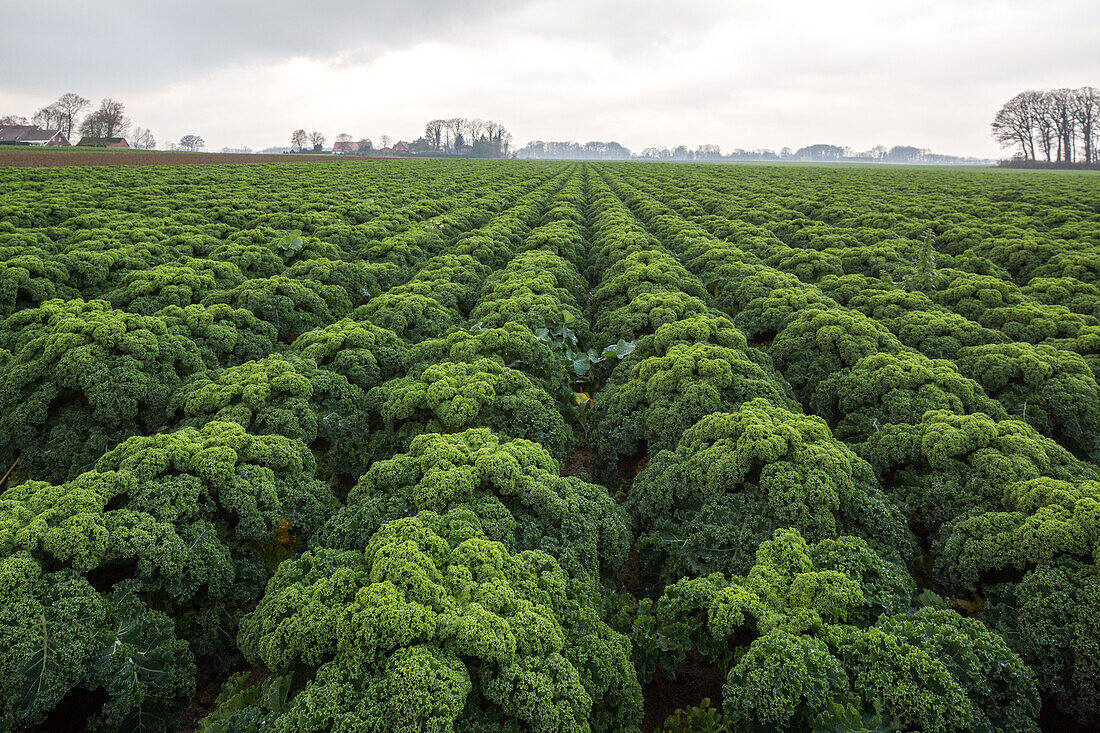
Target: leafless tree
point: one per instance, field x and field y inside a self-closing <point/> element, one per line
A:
<point x="499" y="138"/>
<point x="473" y="130"/>
<point x="343" y="137"/>
<point x="112" y="118"/>
<point x="92" y="126"/>
<point x="1060" y="103"/>
<point x="71" y="105"/>
<point x="365" y="144"/>
<point x="1086" y="112"/>
<point x="1043" y="123"/>
<point x="385" y="140"/>
<point x="1059" y="122"/>
<point x="454" y="127"/>
<point x="433" y="133"/>
<point x="50" y="117"/>
<point x="707" y="152"/>
<point x="143" y="139"/>
<point x="1015" y="121"/>
<point x="298" y="140"/>
<point x="13" y="120"/>
<point x="193" y="143"/>
<point x="316" y="140"/>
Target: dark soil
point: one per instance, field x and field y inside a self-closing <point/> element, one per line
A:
<point x="1054" y="721"/>
<point x="579" y="463"/>
<point x="629" y="575"/>
<point x="202" y="705"/>
<point x="22" y="157"/>
<point x="72" y="713"/>
<point x="630" y="467"/>
<point x="696" y="678"/>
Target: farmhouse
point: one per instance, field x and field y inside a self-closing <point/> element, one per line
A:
<point x="103" y="142"/>
<point x="31" y="135"/>
<point x="341" y="147"/>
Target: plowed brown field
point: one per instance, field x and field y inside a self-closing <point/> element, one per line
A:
<point x="53" y="157"/>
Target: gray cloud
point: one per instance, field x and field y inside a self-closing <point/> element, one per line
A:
<point x="731" y="72"/>
<point x="137" y="42"/>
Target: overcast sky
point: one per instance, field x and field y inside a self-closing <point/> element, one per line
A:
<point x="929" y="73"/>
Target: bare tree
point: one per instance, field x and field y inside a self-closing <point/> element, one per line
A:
<point x="13" y="120"/>
<point x="365" y="144"/>
<point x="50" y="117"/>
<point x="1086" y="112"/>
<point x="193" y="143"/>
<point x="92" y="126"/>
<point x="1042" y="123"/>
<point x="1014" y="122"/>
<point x="385" y="140"/>
<point x="71" y="105"/>
<point x="473" y="130"/>
<point x="433" y="133"/>
<point x="143" y="139"/>
<point x="1061" y="111"/>
<point x="317" y="140"/>
<point x="343" y="137"/>
<point x="112" y="118"/>
<point x="453" y="128"/>
<point x="298" y="140"/>
<point x="499" y="138"/>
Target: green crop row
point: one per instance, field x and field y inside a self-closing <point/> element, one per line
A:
<point x="453" y="445"/>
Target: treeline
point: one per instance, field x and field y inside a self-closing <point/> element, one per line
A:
<point x="591" y="150"/>
<point x="819" y="153"/>
<point x="475" y="138"/>
<point x="67" y="114"/>
<point x="459" y="137"/>
<point x="1057" y="128"/>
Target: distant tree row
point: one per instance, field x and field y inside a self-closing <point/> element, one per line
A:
<point x="810" y="153"/>
<point x="459" y="135"/>
<point x="107" y="120"/>
<point x="302" y="142"/>
<point x="592" y="150"/>
<point x="1057" y="126"/>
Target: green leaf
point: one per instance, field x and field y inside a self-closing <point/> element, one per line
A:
<point x="622" y="349"/>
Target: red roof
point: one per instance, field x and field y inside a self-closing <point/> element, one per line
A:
<point x="349" y="146"/>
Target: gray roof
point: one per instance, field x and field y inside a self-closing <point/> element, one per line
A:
<point x="94" y="141"/>
<point x="25" y="133"/>
<point x="14" y="133"/>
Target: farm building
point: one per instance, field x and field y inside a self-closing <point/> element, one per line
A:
<point x="341" y="147"/>
<point x="31" y="135"/>
<point x="103" y="142"/>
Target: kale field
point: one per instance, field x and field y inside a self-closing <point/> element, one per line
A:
<point x="507" y="446"/>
